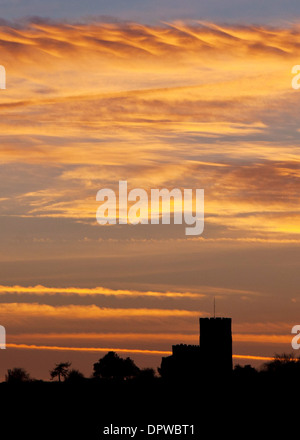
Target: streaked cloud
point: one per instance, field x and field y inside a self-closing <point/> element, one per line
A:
<point x="122" y="350"/>
<point x="158" y="338"/>
<point x="172" y="105"/>
<point x="88" y="349"/>
<point x="102" y="291"/>
<point x="76" y="312"/>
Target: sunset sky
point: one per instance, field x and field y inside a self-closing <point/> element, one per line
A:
<point x="149" y="96"/>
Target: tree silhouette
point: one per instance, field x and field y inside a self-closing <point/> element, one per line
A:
<point x="74" y="376"/>
<point x="146" y="374"/>
<point x="113" y="366"/>
<point x="283" y="364"/>
<point x="245" y="372"/>
<point x="60" y="370"/>
<point x="17" y="375"/>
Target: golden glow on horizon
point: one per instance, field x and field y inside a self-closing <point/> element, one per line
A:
<point x="87" y="349"/>
<point x="109" y="336"/>
<point x="253" y="358"/>
<point x="135" y="336"/>
<point x="120" y="350"/>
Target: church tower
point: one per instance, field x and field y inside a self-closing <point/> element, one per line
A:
<point x="216" y="345"/>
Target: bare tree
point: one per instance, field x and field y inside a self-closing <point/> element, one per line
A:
<point x="283" y="364"/>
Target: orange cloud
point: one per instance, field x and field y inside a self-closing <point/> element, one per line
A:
<point x="80" y="312"/>
<point x="263" y="338"/>
<point x="172" y="105"/>
<point x="97" y="291"/>
<point x="171" y="338"/>
<point x="103" y="291"/>
<point x="120" y="350"/>
<point x="252" y="357"/>
<point x="87" y="349"/>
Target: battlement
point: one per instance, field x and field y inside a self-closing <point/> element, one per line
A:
<point x="185" y="349"/>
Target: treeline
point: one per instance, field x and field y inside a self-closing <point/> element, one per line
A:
<point x="113" y="367"/>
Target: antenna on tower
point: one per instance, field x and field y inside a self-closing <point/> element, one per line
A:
<point x="214" y="306"/>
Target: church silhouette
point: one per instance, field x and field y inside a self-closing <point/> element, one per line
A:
<point x="213" y="355"/>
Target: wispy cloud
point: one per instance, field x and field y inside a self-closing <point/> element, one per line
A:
<point x="121" y="350"/>
<point x="88" y="349"/>
<point x="103" y="291"/>
<point x="72" y="312"/>
<point x="119" y="107"/>
<point x="97" y="291"/>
